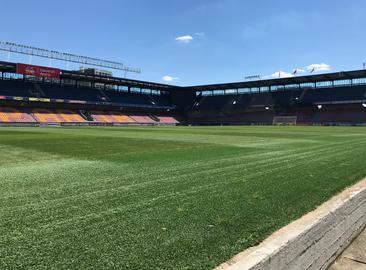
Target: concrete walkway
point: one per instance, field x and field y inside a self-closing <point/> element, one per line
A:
<point x="354" y="257"/>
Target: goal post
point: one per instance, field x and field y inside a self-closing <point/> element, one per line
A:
<point x="285" y="120"/>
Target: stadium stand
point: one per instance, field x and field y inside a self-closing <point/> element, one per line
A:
<point x="167" y="120"/>
<point x="321" y="99"/>
<point x="15" y="88"/>
<point x="143" y="119"/>
<point x="46" y="116"/>
<point x="9" y="115"/>
<point x="71" y="93"/>
<point x="70" y="116"/>
<point x="56" y="116"/>
<point x="111" y="117"/>
<point x="125" y="98"/>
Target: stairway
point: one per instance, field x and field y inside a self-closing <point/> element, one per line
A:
<point x="104" y="97"/>
<point x="37" y="90"/>
<point x="155" y="118"/>
<point x="86" y="115"/>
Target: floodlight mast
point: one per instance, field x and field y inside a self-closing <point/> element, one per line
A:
<point x="67" y="57"/>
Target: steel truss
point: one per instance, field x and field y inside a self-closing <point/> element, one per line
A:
<point x="67" y="57"/>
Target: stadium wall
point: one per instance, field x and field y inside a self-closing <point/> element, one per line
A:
<point x="312" y="242"/>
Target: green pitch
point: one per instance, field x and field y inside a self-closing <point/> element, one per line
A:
<point x="164" y="197"/>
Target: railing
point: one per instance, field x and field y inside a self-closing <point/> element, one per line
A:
<point x="68" y="101"/>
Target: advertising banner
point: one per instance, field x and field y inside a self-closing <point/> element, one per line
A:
<point x="38" y="71"/>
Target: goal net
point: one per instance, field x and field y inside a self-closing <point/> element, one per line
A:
<point x="285" y="120"/>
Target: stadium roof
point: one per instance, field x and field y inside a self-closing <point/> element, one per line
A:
<point x="76" y="75"/>
<point x="113" y="80"/>
<point x="342" y="75"/>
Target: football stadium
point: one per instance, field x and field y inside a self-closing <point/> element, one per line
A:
<point x="102" y="171"/>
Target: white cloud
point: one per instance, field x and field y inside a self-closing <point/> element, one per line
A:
<point x="318" y="67"/>
<point x="169" y="78"/>
<point x="299" y="70"/>
<point x="310" y="68"/>
<point x="281" y="74"/>
<point x="184" y="39"/>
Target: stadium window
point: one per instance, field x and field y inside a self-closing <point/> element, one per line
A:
<point x="359" y="81"/>
<point x="146" y="91"/>
<point x="342" y="82"/>
<point x="243" y="90"/>
<point x="83" y="84"/>
<point x="254" y="89"/>
<point x="206" y="93"/>
<point x="135" y="90"/>
<point x="292" y="86"/>
<point x="273" y="88"/>
<point x="68" y="82"/>
<point x="218" y="92"/>
<point x="99" y="85"/>
<point x="57" y="81"/>
<point x="34" y="79"/>
<point x="324" y="84"/>
<point x="231" y="91"/>
<point x="277" y="87"/>
<point x="123" y="88"/>
<point x="307" y="85"/>
<point x="155" y="92"/>
<point x="198" y="93"/>
<point x="264" y="89"/>
<point x="111" y="86"/>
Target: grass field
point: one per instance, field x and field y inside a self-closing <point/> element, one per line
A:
<point x="163" y="197"/>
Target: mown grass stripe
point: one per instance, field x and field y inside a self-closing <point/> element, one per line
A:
<point x="162" y="198"/>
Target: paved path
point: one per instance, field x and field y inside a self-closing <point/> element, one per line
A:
<point x="354" y="257"/>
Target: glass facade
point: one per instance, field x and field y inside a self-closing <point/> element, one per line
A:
<point x="122" y="88"/>
<point x="135" y="90"/>
<point x="359" y="81"/>
<point x="308" y="85"/>
<point x="231" y="91"/>
<point x="325" y="84"/>
<point x="292" y="86"/>
<point x="218" y="92"/>
<point x="277" y="87"/>
<point x="243" y="90"/>
<point x="76" y="83"/>
<point x="264" y="89"/>
<point x="342" y="82"/>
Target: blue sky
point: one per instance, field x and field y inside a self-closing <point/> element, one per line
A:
<point x="223" y="41"/>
